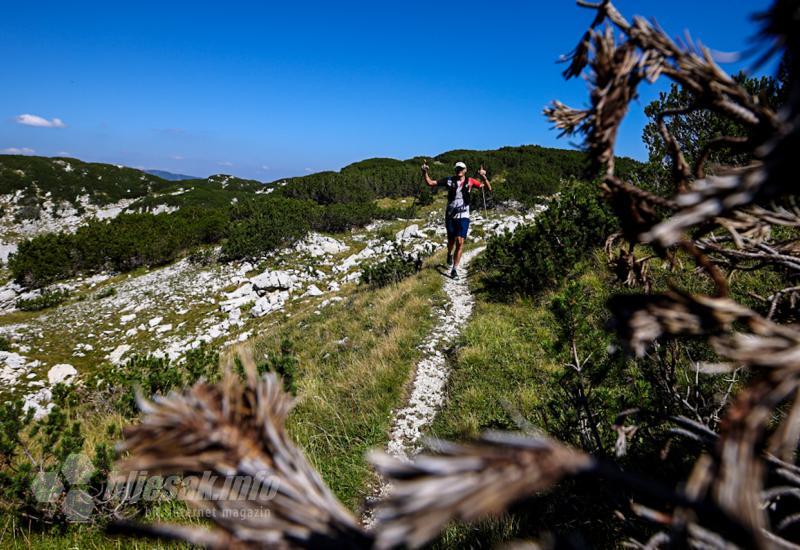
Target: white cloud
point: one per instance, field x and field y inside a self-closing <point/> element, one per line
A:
<point x="18" y="151"/>
<point x="34" y="120"/>
<point x="226" y="163"/>
<point x="177" y="157"/>
<point x="309" y="170"/>
<point x="264" y="167"/>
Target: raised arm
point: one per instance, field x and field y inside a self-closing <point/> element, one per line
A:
<point x="428" y="180"/>
<point x="484" y="179"/>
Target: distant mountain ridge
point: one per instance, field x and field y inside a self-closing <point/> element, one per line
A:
<point x="170" y="176"/>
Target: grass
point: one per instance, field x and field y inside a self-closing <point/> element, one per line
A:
<point x="503" y="367"/>
<point x="498" y="364"/>
<point x="355" y="361"/>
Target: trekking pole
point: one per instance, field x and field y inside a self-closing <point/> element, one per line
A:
<point x="483" y="194"/>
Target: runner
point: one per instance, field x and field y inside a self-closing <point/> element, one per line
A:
<point x="456" y="217"/>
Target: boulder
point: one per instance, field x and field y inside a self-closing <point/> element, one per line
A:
<point x="269" y="302"/>
<point x="40" y="402"/>
<point x="7" y="294"/>
<point x="243" y="290"/>
<point x="236" y="303"/>
<point x="409" y="232"/>
<point x="316" y="245"/>
<point x="313" y="290"/>
<point x="116" y="356"/>
<point x="62" y="373"/>
<point x="235" y="314"/>
<point x="273" y="280"/>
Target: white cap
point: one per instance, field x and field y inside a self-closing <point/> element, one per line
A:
<point x="460" y="164"/>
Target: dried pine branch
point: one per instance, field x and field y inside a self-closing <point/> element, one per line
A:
<point x="234" y="429"/>
<point x="466" y="482"/>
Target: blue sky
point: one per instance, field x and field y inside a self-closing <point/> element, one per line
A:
<point x="267" y="90"/>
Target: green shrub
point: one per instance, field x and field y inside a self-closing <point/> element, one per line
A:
<point x="283" y="363"/>
<point x="42" y="260"/>
<point x="52" y="439"/>
<point x="386" y="233"/>
<point x="339" y="217"/>
<point x="538" y="256"/>
<point x="425" y="197"/>
<point x="48" y="299"/>
<point x="116" y="384"/>
<point x="127" y="242"/>
<point x="394" y="268"/>
<point x="262" y="226"/>
<point x="106" y="293"/>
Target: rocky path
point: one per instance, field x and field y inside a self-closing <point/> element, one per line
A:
<point x="431" y="373"/>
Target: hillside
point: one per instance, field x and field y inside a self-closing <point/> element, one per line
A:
<point x="47" y="195"/>
<point x="41" y="195"/>
<point x="527" y="172"/>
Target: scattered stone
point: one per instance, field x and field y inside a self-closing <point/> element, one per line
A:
<point x="13" y="366"/>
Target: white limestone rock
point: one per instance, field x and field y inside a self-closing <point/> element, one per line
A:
<point x="273" y="280"/>
<point x="313" y="290"/>
<point x="409" y="232"/>
<point x="316" y="245"/>
<point x="244" y="290"/>
<point x="61" y="374"/>
<point x="269" y="303"/>
<point x="40" y="402"/>
<point x="115" y="357"/>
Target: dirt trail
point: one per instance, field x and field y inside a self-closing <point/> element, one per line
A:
<point x="431" y="373"/>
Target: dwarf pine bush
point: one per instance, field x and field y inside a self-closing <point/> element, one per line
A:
<point x="539" y="255"/>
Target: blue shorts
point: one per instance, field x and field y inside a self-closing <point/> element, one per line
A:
<point x="456" y="227"/>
